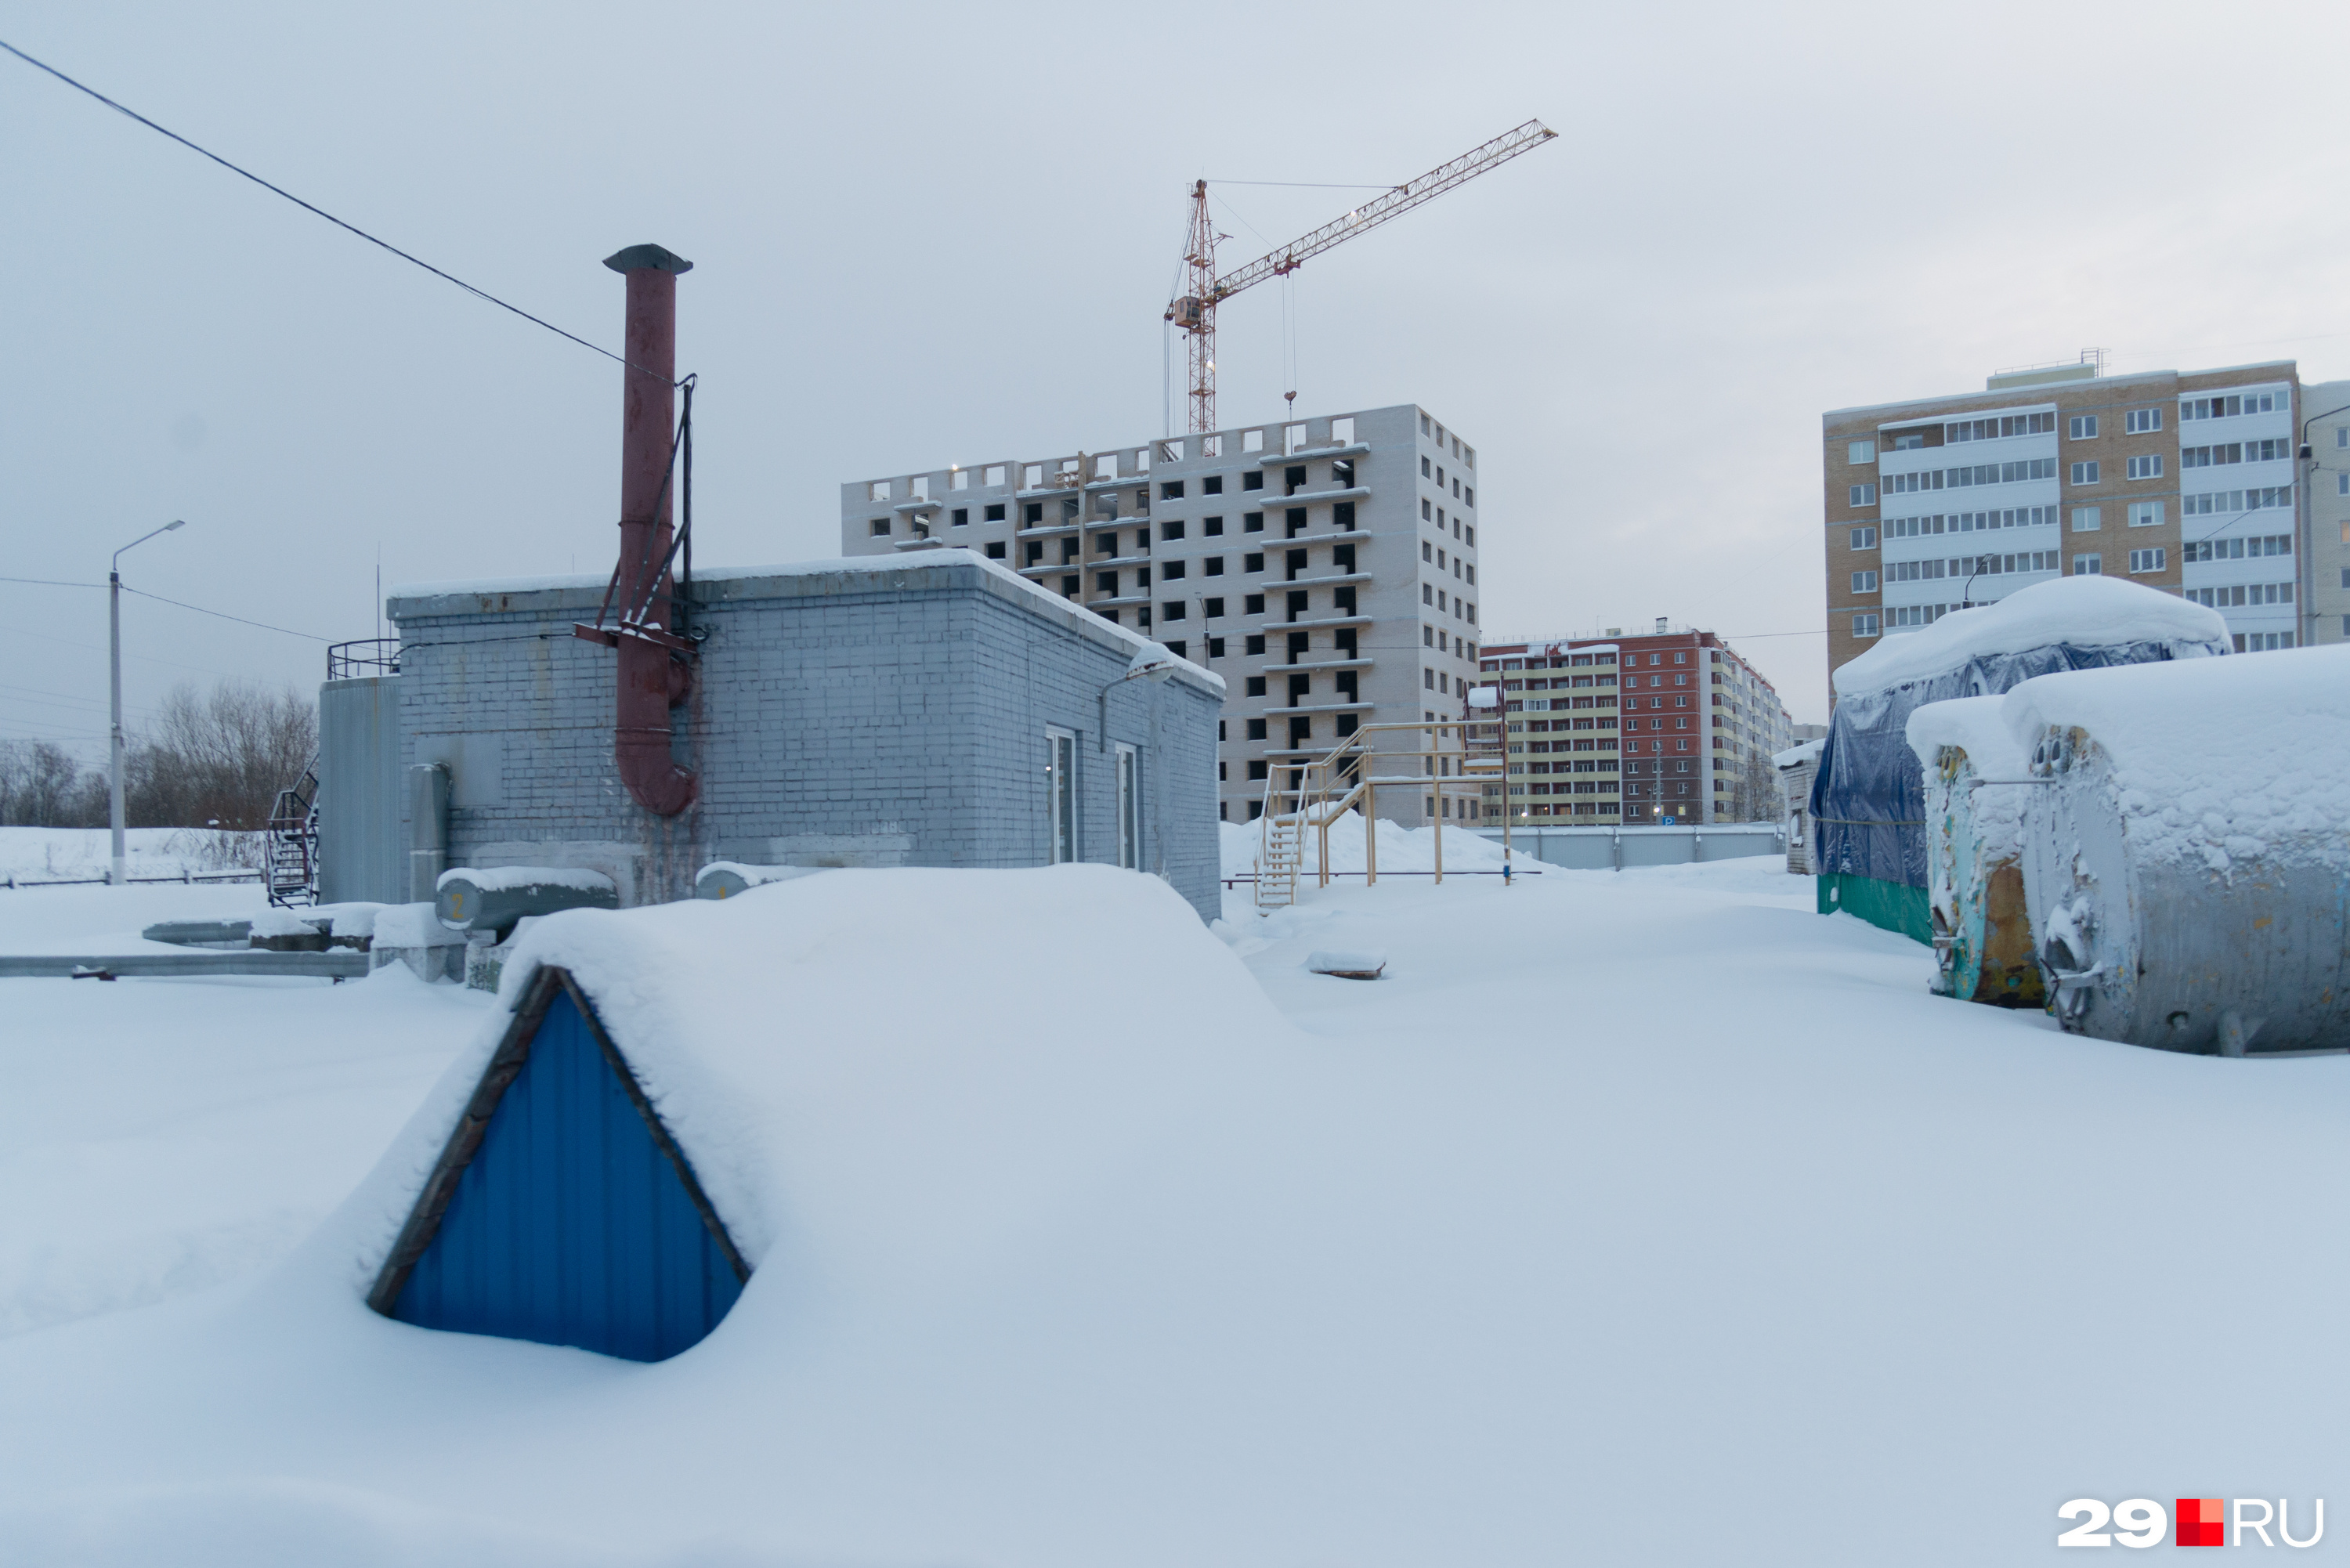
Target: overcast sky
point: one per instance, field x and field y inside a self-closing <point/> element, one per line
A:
<point x="925" y="235"/>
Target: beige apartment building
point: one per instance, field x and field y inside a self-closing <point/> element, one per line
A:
<point x="1669" y="726"/>
<point x="2205" y="483"/>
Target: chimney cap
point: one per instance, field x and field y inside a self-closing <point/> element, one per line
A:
<point x="637" y="257"/>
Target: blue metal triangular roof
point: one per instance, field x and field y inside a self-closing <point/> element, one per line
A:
<point x="562" y="1211"/>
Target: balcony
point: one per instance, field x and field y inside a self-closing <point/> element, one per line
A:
<point x="1313" y="454"/>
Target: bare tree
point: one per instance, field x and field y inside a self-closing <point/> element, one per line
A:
<point x="41" y="786"/>
<point x="219" y="760"/>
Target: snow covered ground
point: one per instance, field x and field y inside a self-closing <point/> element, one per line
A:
<point x="65" y="854"/>
<point x="1633" y="1216"/>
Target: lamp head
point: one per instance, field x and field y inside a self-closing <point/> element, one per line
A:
<point x="1152" y="661"/>
<point x="175" y="523"/>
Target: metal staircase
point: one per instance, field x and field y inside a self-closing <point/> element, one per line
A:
<point x="290" y="847"/>
<point x="1281" y="851"/>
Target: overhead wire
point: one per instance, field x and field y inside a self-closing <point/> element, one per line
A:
<point x="320" y="211"/>
<point x="222" y="615"/>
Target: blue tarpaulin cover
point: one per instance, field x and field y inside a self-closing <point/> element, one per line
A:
<point x="1868" y="799"/>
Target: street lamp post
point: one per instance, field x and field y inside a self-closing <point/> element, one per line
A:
<point x="114" y="645"/>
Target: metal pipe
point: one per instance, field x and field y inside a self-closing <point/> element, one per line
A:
<point x="653" y="678"/>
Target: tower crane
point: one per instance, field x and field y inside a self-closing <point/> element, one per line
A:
<point x="1195" y="312"/>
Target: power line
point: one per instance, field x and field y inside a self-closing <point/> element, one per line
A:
<point x="1305" y="184"/>
<point x="220" y="615"/>
<point x="52" y="583"/>
<point x="320" y="211"/>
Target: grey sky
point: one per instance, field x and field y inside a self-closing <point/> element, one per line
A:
<point x="925" y="235"/>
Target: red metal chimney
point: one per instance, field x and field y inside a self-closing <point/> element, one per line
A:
<point x="654" y="677"/>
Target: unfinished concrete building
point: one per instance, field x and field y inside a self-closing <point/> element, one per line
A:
<point x="1326" y="566"/>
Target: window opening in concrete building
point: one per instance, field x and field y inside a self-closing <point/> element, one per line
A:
<point x="1293" y="522"/>
<point x="995" y="513"/>
<point x="1342" y="516"/>
<point x="995" y="549"/>
<point x="1293" y="438"/>
<point x="1061" y="793"/>
<point x="1212" y="485"/>
<point x="1170" y="451"/>
<point x="1214" y="611"/>
<point x="1032" y="476"/>
<point x="958" y="479"/>
<point x="1252" y="521"/>
<point x="1212" y="527"/>
<point x="1297" y="602"/>
<point x="880" y="527"/>
<point x="959" y="517"/>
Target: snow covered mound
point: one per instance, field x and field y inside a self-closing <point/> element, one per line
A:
<point x="809" y="1043"/>
<point x="2212" y="760"/>
<point x="2081" y="612"/>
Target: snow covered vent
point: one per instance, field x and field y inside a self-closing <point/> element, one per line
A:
<point x="561" y="1209"/>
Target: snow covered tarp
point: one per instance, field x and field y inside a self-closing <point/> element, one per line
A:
<point x="2186" y="859"/>
<point x="1868" y="802"/>
<point x="1974" y="852"/>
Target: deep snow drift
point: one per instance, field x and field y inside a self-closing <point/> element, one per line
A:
<point x="1627" y="1207"/>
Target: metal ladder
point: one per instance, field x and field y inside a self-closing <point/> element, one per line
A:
<point x="290" y="847"/>
<point x="1281" y="851"/>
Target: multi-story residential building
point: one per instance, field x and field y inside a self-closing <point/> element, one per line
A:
<point x="2186" y="481"/>
<point x="2327" y="483"/>
<point x="1326" y="567"/>
<point x="1666" y="726"/>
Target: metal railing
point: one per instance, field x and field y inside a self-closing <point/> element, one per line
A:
<point x="250" y="875"/>
<point x="1320" y="791"/>
<point x="365" y="656"/>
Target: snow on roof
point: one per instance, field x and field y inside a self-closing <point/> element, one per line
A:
<point x="2215" y="759"/>
<point x="1975" y="725"/>
<point x="1795" y="756"/>
<point x="876" y="566"/>
<point x="2086" y="612"/>
<point x="825" y="1049"/>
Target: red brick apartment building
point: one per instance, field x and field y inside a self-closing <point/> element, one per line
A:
<point x="1672" y="726"/>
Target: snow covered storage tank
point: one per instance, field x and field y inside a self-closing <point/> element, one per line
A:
<point x="1974" y="852"/>
<point x="1868" y="801"/>
<point x="2187" y="857"/>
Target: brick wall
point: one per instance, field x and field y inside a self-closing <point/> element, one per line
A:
<point x="892" y="715"/>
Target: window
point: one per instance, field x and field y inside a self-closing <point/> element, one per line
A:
<point x="1212" y="485"/>
<point x="995" y="513"/>
<point x="1256" y="729"/>
<point x="1255" y="686"/>
<point x="2237" y="549"/>
<point x="2088" y="519"/>
<point x="1258" y="769"/>
<point x="1252" y="521"/>
<point x="959" y="517"/>
<point x="1061" y="796"/>
<point x="995" y="549"/>
<point x="1864" y="626"/>
<point x="1212" y="527"/>
<point x="2150" y="560"/>
<point x="2143" y="467"/>
<point x="1469" y="496"/>
<point x="1427" y="510"/>
<point x="1252" y="480"/>
<point x="1129" y="818"/>
<point x="1253" y="604"/>
<point x="1864" y="582"/>
<point x="2240" y="595"/>
<point x="1863" y="495"/>
<point x="2342" y="484"/>
<point x="1255" y="646"/>
<point x="2085" y="474"/>
<point x="1034" y="511"/>
<point x="1423" y="468"/>
<point x="1171" y="571"/>
<point x="1168" y="533"/>
<point x="2229" y="407"/>
<point x="878" y="490"/>
<point x="1860" y="452"/>
<point x="2087" y="566"/>
<point x="1427" y="593"/>
<point x="1213" y="567"/>
<point x="2141" y="421"/>
<point x="1863" y="538"/>
<point x="1253" y="561"/>
<point x="880" y="527"/>
<point x="2146" y="514"/>
<point x="1427" y="551"/>
<point x="2263" y="641"/>
<point x="2082" y="427"/>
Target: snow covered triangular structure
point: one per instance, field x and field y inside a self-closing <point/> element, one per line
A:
<point x="561" y="1209"/>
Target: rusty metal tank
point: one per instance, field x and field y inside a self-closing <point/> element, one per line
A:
<point x="1974" y="792"/>
<point x="2186" y="850"/>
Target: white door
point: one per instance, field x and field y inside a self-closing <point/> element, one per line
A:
<point x="1061" y="794"/>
